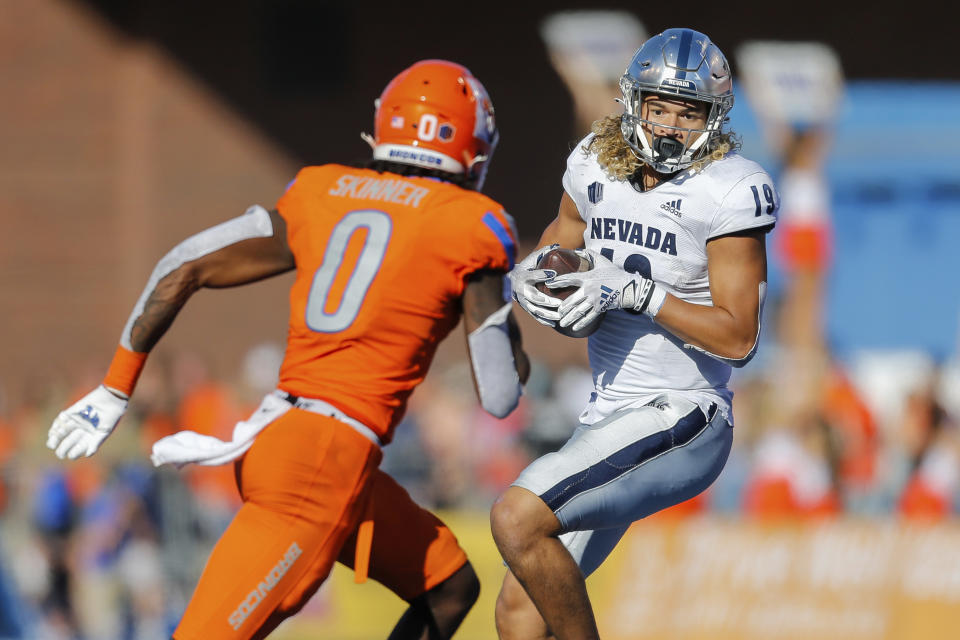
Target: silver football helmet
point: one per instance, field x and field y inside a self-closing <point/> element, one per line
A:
<point x="683" y="63"/>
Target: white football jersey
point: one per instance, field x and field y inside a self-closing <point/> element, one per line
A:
<point x="662" y="234"/>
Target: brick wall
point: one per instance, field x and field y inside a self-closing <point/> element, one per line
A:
<point x="109" y="155"/>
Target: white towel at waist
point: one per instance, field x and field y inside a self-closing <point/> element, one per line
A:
<point x="189" y="446"/>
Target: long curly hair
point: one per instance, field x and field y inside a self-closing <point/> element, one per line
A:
<point x="620" y="162"/>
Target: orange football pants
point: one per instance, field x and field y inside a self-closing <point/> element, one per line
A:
<point x="307" y="483"/>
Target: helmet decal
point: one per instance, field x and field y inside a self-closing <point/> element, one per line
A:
<point x="446" y="132"/>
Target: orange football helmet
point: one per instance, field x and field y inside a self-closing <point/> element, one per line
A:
<point x="436" y="115"/>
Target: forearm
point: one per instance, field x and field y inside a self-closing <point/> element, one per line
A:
<point x="182" y="271"/>
<point x="567" y="228"/>
<point x="730" y="327"/>
<point x="499" y="364"/>
<point x="497" y="375"/>
<point x="153" y="314"/>
<point x="711" y="328"/>
<point x="520" y="359"/>
<point x="246" y="248"/>
<point x="551" y="235"/>
<point x="160" y="308"/>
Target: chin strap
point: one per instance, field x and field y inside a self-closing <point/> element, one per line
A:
<point x="368" y="139"/>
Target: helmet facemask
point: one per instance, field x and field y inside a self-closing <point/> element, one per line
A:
<point x="668" y="154"/>
<point x="485" y="133"/>
<point x="477" y="167"/>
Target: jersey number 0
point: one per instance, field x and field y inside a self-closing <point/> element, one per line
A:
<point x="378" y="227"/>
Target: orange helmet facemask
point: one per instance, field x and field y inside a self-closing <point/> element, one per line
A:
<point x="436" y="115"/>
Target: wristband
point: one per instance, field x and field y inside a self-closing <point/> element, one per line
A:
<point x="657" y="298"/>
<point x="124" y="370"/>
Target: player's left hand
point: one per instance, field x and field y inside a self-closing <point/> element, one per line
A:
<point x="80" y="430"/>
<point x="606" y="286"/>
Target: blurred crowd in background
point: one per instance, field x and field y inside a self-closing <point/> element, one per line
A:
<point x="110" y="547"/>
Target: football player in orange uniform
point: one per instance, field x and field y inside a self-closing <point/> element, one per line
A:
<point x="386" y="257"/>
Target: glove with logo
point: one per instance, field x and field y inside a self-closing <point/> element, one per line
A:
<point x="80" y="430"/>
<point x="606" y="286"/>
<point x="523" y="280"/>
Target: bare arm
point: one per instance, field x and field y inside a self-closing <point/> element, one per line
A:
<point x="567" y="228"/>
<point x="247" y="260"/>
<point x="499" y="363"/>
<point x="482" y="298"/>
<point x="248" y="248"/>
<point x="737" y="266"/>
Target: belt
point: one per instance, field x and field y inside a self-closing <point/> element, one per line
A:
<point x="322" y="408"/>
<point x="361" y="562"/>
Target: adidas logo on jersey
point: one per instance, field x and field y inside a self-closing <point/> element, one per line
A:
<point x="673" y="207"/>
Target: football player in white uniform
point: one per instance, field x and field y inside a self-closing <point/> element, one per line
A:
<point x="674" y="220"/>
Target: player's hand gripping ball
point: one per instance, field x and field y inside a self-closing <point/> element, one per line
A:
<point x="562" y="261"/>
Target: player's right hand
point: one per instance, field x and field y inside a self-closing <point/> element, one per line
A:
<point x="80" y="430"/>
<point x="606" y="286"/>
<point x="523" y="280"/>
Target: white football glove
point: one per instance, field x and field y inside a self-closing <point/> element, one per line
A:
<point x="606" y="286"/>
<point x="80" y="430"/>
<point x="523" y="279"/>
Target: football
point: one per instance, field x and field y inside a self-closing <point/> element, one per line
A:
<point x="562" y="261"/>
<point x="566" y="261"/>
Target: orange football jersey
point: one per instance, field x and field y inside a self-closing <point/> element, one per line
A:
<point x="382" y="262"/>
